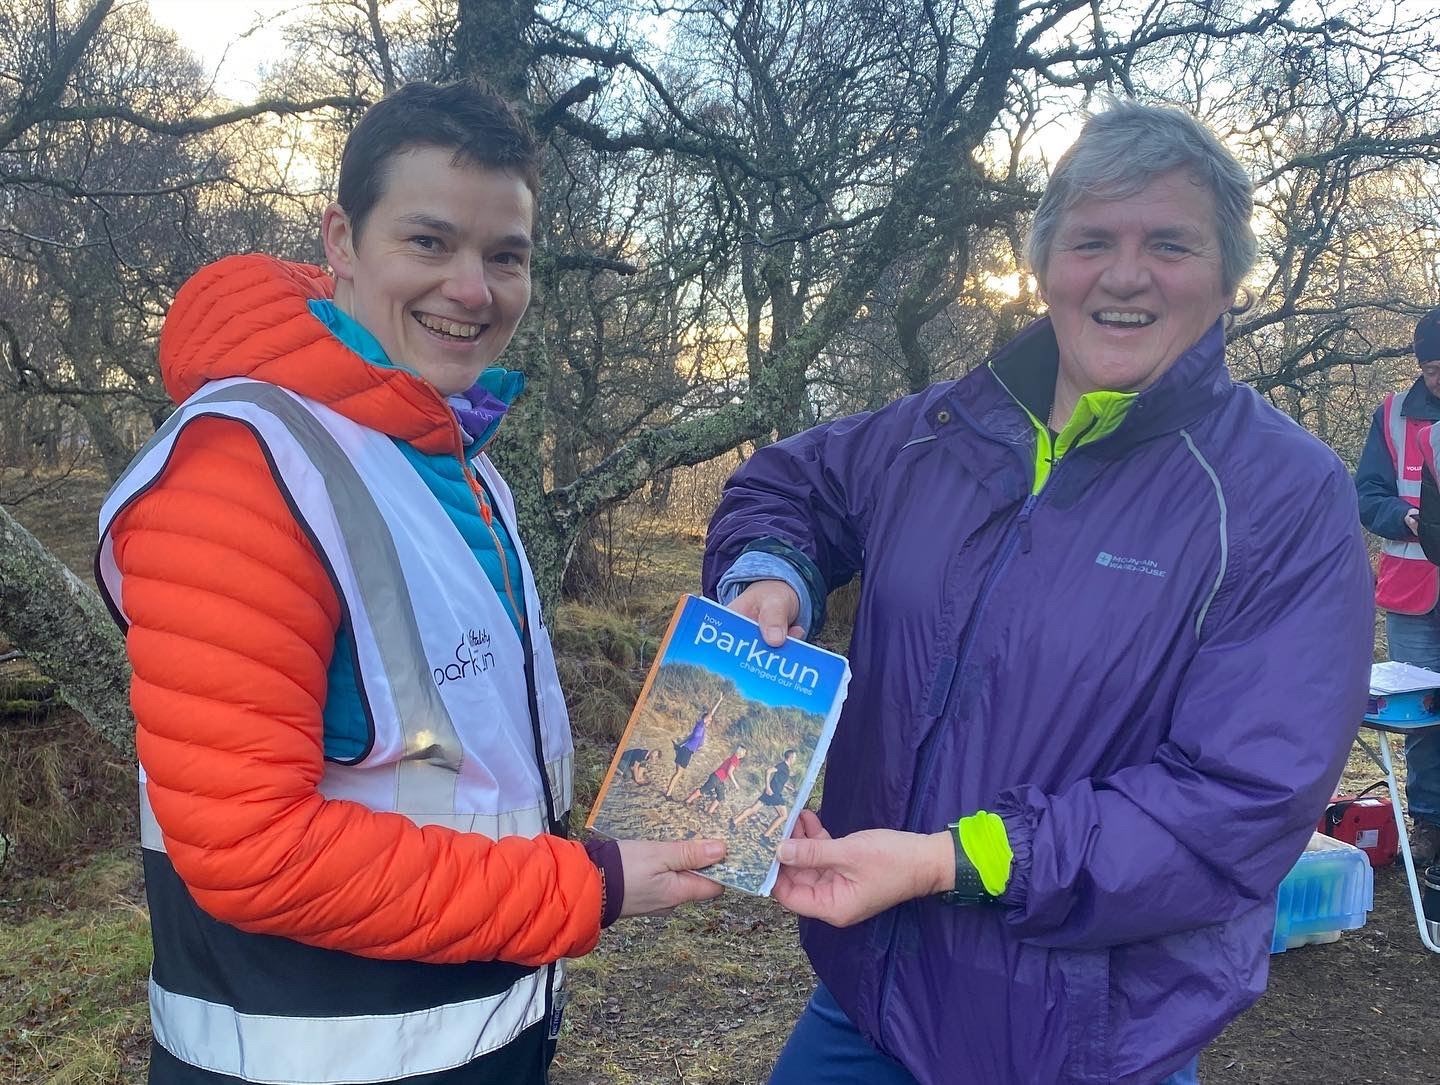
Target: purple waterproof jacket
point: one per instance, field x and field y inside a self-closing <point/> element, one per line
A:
<point x="1152" y="670"/>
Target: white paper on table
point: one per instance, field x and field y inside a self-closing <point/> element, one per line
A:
<point x="1392" y="677"/>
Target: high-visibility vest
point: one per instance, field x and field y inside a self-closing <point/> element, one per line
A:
<point x="435" y="659"/>
<point x="1407" y="581"/>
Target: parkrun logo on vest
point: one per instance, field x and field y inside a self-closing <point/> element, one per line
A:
<point x="1128" y="565"/>
<point x="756" y="657"/>
<point x="471" y="659"/>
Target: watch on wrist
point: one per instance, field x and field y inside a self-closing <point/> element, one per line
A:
<point x="969" y="889"/>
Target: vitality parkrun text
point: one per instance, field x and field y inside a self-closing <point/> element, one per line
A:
<point x="754" y="655"/>
<point x="471" y="658"/>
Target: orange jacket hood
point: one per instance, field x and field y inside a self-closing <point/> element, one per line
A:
<point x="249" y="316"/>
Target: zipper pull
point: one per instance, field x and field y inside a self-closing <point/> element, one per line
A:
<point x="486" y="513"/>
<point x="1024" y="524"/>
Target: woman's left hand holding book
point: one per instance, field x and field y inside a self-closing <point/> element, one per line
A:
<point x="658" y="876"/>
<point x="774" y="607"/>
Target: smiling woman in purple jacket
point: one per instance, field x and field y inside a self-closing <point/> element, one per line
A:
<point x="1112" y="646"/>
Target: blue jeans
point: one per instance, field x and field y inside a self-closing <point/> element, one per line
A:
<point x="826" y="1049"/>
<point x="1415" y="638"/>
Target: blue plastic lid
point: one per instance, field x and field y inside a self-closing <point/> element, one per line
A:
<point x="1402" y="707"/>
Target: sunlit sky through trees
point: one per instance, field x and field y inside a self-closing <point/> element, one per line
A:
<point x="236" y="41"/>
<point x="233" y="39"/>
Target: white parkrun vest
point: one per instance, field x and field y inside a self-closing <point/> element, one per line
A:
<point x="443" y="678"/>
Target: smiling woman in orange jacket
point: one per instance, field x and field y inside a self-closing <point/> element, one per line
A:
<point x="354" y="752"/>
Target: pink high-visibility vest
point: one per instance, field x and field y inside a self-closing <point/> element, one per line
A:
<point x="1407" y="582"/>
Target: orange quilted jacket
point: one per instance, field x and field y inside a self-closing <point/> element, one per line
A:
<point x="233" y="624"/>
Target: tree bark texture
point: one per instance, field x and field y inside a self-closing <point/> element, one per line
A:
<point x="61" y="624"/>
<point x="491" y="42"/>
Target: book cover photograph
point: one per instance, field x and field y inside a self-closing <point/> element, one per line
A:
<point x="726" y="740"/>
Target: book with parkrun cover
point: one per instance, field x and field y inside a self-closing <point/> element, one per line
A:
<point x="726" y="741"/>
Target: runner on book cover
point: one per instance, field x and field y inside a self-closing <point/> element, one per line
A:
<point x="714" y="788"/>
<point x="634" y="761"/>
<point x="688" y="747"/>
<point x="773" y="796"/>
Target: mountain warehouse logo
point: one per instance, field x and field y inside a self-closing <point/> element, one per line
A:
<point x="1128" y="565"/>
<point x="471" y="658"/>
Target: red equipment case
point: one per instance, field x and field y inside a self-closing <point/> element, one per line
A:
<point x="1365" y="820"/>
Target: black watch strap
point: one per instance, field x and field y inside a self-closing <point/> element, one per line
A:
<point x="969" y="889"/>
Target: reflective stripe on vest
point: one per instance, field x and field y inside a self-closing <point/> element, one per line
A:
<point x="1407" y="468"/>
<point x="345" y="1050"/>
<point x="438" y="650"/>
<point x="1406" y="582"/>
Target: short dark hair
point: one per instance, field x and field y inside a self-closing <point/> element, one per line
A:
<point x="467" y="116"/>
<point x="788" y="753"/>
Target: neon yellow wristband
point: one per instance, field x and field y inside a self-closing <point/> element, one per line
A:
<point x="987" y="846"/>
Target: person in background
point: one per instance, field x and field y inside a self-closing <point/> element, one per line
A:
<point x="354" y="751"/>
<point x="1388" y="480"/>
<point x="1112" y="647"/>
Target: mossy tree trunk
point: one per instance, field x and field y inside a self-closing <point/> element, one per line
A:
<point x="63" y="627"/>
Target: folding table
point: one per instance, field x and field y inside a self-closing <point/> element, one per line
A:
<point x="1405" y="711"/>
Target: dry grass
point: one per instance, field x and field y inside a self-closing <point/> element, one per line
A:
<point x="72" y="994"/>
<point x="63" y="794"/>
<point x="605" y="644"/>
<point x="602" y="658"/>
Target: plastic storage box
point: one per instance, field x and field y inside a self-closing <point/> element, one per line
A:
<point x="1329" y="890"/>
<point x="1409" y="707"/>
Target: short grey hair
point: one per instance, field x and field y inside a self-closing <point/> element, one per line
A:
<point x="1125" y="147"/>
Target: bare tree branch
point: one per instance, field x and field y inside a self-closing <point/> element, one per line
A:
<point x="38" y="103"/>
<point x="195" y="125"/>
